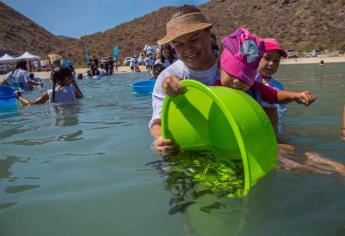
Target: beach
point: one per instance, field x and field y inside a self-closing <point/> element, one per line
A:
<point x="312" y="60"/>
<point x="300" y="60"/>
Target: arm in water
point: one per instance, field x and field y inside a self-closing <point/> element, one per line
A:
<point x="172" y="87"/>
<point x="42" y="99"/>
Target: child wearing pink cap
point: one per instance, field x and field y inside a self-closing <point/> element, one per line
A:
<point x="268" y="66"/>
<point x="238" y="66"/>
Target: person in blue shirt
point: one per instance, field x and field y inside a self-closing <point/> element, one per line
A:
<point x="268" y="66"/>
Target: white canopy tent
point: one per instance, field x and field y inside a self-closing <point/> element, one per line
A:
<point x="7" y="58"/>
<point x="28" y="56"/>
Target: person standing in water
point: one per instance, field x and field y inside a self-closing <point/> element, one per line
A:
<point x="19" y="78"/>
<point x="268" y="66"/>
<point x="189" y="33"/>
<point x="342" y="129"/>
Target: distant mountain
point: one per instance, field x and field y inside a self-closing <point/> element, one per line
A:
<point x="19" y="34"/>
<point x="131" y="36"/>
<point x="299" y="24"/>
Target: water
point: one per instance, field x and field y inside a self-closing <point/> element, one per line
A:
<point x="84" y="169"/>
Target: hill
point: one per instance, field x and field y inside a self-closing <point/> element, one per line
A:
<point x="299" y="24"/>
<point x="19" y="34"/>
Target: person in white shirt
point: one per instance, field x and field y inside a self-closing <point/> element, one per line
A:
<point x="166" y="57"/>
<point x="149" y="62"/>
<point x="188" y="32"/>
<point x="19" y="78"/>
<point x="133" y="63"/>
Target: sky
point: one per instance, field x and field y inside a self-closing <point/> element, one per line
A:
<point x="76" y="18"/>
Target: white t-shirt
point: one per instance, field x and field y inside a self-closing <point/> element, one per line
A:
<point x="65" y="94"/>
<point x="133" y="62"/>
<point x="102" y="72"/>
<point x="148" y="61"/>
<point x="179" y="69"/>
<point x="17" y="78"/>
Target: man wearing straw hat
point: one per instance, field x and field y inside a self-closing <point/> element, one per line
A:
<point x="188" y="32"/>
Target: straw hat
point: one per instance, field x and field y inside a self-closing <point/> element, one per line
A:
<point x="184" y="24"/>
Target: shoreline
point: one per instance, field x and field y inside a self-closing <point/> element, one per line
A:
<point x="290" y="61"/>
<point x="313" y="60"/>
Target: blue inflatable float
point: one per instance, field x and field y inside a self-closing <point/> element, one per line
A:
<point x="7" y="96"/>
<point x="144" y="86"/>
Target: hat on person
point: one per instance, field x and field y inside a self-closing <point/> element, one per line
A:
<point x="241" y="55"/>
<point x="272" y="44"/>
<point x="67" y="63"/>
<point x="183" y="25"/>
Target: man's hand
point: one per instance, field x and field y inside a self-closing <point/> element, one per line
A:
<point x="172" y="86"/>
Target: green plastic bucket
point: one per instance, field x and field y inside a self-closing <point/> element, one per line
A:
<point x="225" y="120"/>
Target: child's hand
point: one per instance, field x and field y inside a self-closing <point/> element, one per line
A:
<point x="306" y="98"/>
<point x="172" y="86"/>
<point x="342" y="133"/>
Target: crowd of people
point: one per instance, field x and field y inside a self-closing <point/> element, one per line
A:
<point x="101" y="68"/>
<point x="163" y="55"/>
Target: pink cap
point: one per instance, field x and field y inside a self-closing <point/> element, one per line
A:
<point x="241" y="55"/>
<point x="272" y="44"/>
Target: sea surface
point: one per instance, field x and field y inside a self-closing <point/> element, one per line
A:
<point x="88" y="169"/>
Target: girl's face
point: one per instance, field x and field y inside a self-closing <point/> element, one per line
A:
<point x="269" y="63"/>
<point x="158" y="56"/>
<point x="67" y="81"/>
<point x="231" y="81"/>
<point x="165" y="53"/>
